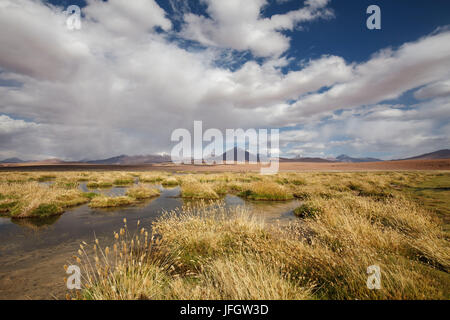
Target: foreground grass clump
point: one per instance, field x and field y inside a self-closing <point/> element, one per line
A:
<point x="290" y="179"/>
<point x="34" y="200"/>
<point x="242" y="277"/>
<point x="110" y="202"/>
<point x="210" y="252"/>
<point x="434" y="193"/>
<point x="266" y="190"/>
<point x="140" y="192"/>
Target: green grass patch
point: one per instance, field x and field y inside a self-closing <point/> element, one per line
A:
<point x="123" y="182"/>
<point x="99" y="184"/>
<point x="197" y="190"/>
<point x="90" y="195"/>
<point x="46" y="210"/>
<point x="307" y="210"/>
<point x="46" y="178"/>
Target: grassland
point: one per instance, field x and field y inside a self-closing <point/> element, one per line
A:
<point x="140" y="192"/>
<point x="346" y="222"/>
<point x="434" y="194"/>
<point x="110" y="202"/>
<point x="193" y="189"/>
<point x="430" y="189"/>
<point x="41" y="195"/>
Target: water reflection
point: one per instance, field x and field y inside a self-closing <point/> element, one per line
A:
<point x="36" y="223"/>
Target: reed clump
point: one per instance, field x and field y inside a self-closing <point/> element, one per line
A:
<point x="140" y="192"/>
<point x="307" y="210"/>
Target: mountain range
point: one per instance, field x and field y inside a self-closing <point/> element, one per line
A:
<point x="131" y="160"/>
<point x="153" y="159"/>
<point x="345" y="158"/>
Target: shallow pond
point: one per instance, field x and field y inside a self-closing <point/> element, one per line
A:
<point x="33" y="252"/>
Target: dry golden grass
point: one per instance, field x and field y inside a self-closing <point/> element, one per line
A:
<point x="99" y="184"/>
<point x="210" y="252"/>
<point x="31" y="199"/>
<point x="348" y="221"/>
<point x="140" y="192"/>
<point x="193" y="189"/>
<point x="152" y="177"/>
<point x="170" y="182"/>
<point x="266" y="190"/>
<point x="240" y="277"/>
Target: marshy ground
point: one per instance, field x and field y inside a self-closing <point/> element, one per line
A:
<point x="203" y="248"/>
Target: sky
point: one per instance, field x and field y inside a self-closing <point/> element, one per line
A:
<point x="137" y="70"/>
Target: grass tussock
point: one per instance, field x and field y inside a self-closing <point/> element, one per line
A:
<point x="140" y="192"/>
<point x="152" y="177"/>
<point x="192" y="189"/>
<point x="308" y="210"/>
<point x="163" y="266"/>
<point x="266" y="190"/>
<point x="241" y="277"/>
<point x="99" y="184"/>
<point x="348" y="221"/>
<point x="210" y="252"/>
<point x="121" y="182"/>
<point x="33" y="200"/>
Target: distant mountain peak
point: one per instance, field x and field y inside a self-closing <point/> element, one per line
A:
<point x="12" y="160"/>
<point x="132" y="160"/>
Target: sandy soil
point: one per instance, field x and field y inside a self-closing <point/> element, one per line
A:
<point x="441" y="164"/>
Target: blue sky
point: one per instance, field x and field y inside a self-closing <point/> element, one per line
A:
<point x="346" y="34"/>
<point x="134" y="73"/>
